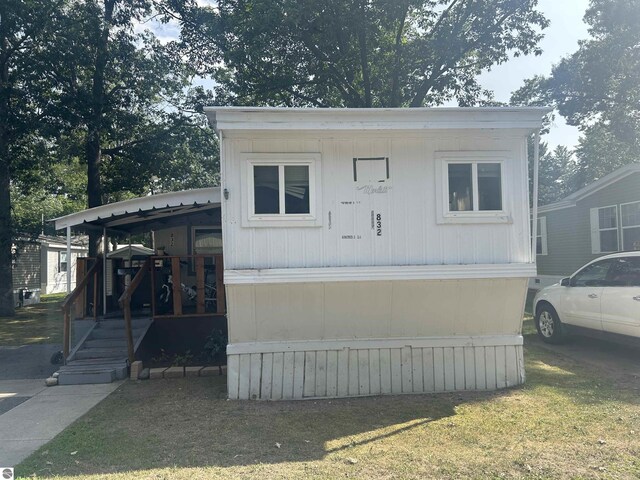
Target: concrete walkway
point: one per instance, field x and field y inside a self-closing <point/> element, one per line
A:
<point x="41" y="414"/>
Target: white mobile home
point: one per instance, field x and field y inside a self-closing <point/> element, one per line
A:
<point x="374" y="251"/>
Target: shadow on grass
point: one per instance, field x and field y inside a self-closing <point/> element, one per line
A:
<point x="189" y="423"/>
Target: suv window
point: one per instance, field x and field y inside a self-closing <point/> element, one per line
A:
<point x="594" y="275"/>
<point x="625" y="272"/>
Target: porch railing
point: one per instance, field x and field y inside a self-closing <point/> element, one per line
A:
<point x="125" y="303"/>
<point x="71" y="299"/>
<point x="206" y="292"/>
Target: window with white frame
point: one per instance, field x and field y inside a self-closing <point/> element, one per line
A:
<point x="472" y="188"/>
<point x="604" y="229"/>
<point x="541" y="236"/>
<point x="282" y="189"/>
<point x="62" y="262"/>
<point x="206" y="240"/>
<point x="630" y="221"/>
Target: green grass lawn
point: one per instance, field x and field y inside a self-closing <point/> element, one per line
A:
<point x="40" y="323"/>
<point x="566" y="422"/>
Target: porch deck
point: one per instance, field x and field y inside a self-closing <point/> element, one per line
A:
<point x="149" y="291"/>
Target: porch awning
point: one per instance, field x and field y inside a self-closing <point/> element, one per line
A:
<point x="148" y="213"/>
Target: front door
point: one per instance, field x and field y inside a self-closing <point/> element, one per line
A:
<point x="581" y="304"/>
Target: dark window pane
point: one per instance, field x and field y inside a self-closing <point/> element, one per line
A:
<point x="609" y="241"/>
<point x="607" y="217"/>
<point x="265" y="189"/>
<point x="539" y="245"/>
<point x="631" y="238"/>
<point x="630" y="214"/>
<point x="489" y="186"/>
<point x="595" y="275"/>
<point x="296" y="189"/>
<point x="460" y="187"/>
<point x="625" y="273"/>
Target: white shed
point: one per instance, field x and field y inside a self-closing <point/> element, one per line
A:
<point x="374" y="251"/>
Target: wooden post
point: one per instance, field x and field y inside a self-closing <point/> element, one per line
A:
<point x="66" y="341"/>
<point x="127" y="324"/>
<point x="95" y="293"/>
<point x="81" y="302"/>
<point x="221" y="301"/>
<point x="177" y="288"/>
<point x="152" y="271"/>
<point x="200" y="284"/>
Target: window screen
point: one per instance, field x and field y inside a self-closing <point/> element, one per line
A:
<point x="266" y="186"/>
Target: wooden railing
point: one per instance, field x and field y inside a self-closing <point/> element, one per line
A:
<point x="203" y="298"/>
<point x="68" y="302"/>
<point x="125" y="303"/>
<point x="202" y="287"/>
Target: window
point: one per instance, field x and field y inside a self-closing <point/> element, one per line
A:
<point x="62" y="262"/>
<point x="630" y="220"/>
<point x="472" y="188"/>
<point x="541" y="236"/>
<point x="282" y="190"/>
<point x="604" y="229"/>
<point x="593" y="275"/>
<point x="206" y="240"/>
<point x="625" y="272"/>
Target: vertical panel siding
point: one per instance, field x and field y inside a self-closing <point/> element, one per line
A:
<point x="358" y="372"/>
<point x="410" y="232"/>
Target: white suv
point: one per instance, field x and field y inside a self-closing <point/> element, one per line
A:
<point x="604" y="296"/>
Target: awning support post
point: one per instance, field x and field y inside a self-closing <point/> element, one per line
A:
<point x="105" y="249"/>
<point x="534" y="211"/>
<point x="69" y="263"/>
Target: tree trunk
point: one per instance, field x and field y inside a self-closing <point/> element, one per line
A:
<point x="93" y="150"/>
<point x="7" y="307"/>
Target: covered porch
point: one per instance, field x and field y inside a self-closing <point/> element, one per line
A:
<point x="178" y="274"/>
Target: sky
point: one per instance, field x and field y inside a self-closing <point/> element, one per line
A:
<point x="561" y="39"/>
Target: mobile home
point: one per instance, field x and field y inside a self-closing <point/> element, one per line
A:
<point x="374" y="251"/>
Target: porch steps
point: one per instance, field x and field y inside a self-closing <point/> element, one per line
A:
<point x="101" y="356"/>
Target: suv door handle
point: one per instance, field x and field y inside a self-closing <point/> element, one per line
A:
<point x="592" y="295"/>
<point x="637" y="297"/>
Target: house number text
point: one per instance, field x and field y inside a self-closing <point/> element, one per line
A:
<point x="378" y="225"/>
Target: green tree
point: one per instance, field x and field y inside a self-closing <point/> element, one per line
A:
<point x="121" y="97"/>
<point x="598" y="89"/>
<point x="355" y="53"/>
<point x="28" y="29"/>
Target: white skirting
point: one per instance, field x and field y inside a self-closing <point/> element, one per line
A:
<point x="372" y="367"/>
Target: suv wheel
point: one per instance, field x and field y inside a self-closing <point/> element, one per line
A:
<point x="548" y="324"/>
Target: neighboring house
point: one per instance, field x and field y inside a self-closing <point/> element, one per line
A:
<point x="41" y="266"/>
<point x="601" y="218"/>
<point x="373" y="251"/>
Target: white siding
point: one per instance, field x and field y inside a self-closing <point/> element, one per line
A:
<point x="56" y="281"/>
<point x="359" y="371"/>
<point x="411" y="235"/>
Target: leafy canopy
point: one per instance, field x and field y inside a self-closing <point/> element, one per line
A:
<point x="597" y="88"/>
<point x="355" y="53"/>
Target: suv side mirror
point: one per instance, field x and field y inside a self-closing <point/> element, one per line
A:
<point x="565" y="282"/>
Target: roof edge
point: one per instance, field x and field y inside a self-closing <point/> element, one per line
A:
<point x="570" y="200"/>
<point x="150" y="202"/>
<point x="280" y="118"/>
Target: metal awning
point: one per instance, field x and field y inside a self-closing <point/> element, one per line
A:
<point x="147" y="213"/>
